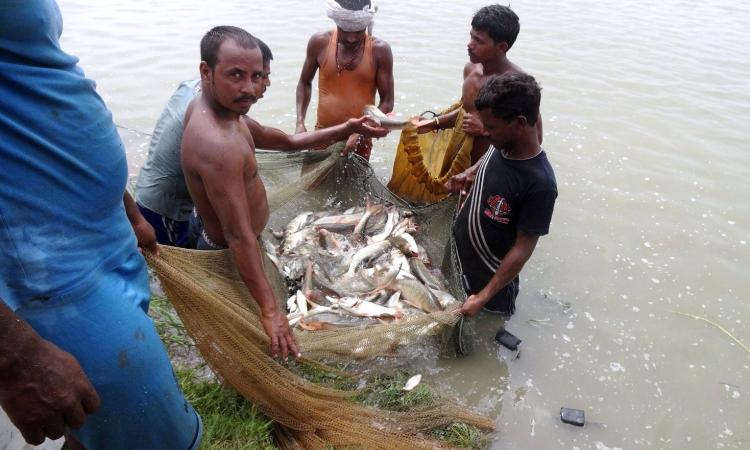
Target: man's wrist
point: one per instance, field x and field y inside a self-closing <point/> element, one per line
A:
<point x="17" y="346"/>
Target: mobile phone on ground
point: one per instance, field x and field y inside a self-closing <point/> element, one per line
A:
<point x="572" y="416"/>
<point x="507" y="340"/>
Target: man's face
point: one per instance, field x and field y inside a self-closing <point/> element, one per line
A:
<point x="481" y="47"/>
<point x="236" y="81"/>
<point x="266" y="77"/>
<point x="351" y="40"/>
<point x="500" y="132"/>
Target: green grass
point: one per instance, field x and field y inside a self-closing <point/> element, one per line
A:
<point x="461" y="435"/>
<point x="229" y="421"/>
<point x="386" y="391"/>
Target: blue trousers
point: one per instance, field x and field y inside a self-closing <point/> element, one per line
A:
<point x="106" y="328"/>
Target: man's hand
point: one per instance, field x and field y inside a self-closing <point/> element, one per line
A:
<point x="461" y="183"/>
<point x="48" y="392"/>
<point x="473" y="126"/>
<point x="146" y="236"/>
<point x="472" y="305"/>
<point x="351" y="144"/>
<point x="144" y="232"/>
<point x="278" y="330"/>
<point x="367" y="127"/>
<point x="300" y="128"/>
<point x="426" y="125"/>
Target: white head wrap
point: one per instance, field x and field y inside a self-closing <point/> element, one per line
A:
<point x="349" y="20"/>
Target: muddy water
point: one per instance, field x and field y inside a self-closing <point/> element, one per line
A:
<point x="646" y="108"/>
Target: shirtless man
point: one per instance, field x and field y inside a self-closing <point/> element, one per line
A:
<point x="494" y="29"/>
<point x="218" y="160"/>
<point x="353" y="64"/>
<point x="161" y="193"/>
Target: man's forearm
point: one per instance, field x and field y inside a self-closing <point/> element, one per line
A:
<point x="509" y="269"/>
<point x="16" y="336"/>
<point x="246" y="252"/>
<point x="447" y="120"/>
<point x="131" y="209"/>
<point x="322" y="136"/>
<point x="386" y="105"/>
<point x="304" y="92"/>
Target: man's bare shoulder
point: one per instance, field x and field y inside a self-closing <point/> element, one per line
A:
<point x="471" y="69"/>
<point x="319" y="39"/>
<point x="253" y="125"/>
<point x="382" y="50"/>
<point x="207" y="140"/>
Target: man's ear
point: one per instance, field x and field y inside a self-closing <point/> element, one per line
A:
<point x="503" y="46"/>
<point x="520" y="122"/>
<point x="205" y="71"/>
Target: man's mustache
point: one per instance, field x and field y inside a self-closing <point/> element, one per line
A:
<point x="250" y="98"/>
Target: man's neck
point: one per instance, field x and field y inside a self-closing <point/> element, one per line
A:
<point x="495" y="66"/>
<point x="217" y="110"/>
<point x="524" y="148"/>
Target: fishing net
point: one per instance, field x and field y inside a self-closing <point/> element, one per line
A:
<point x="223" y="319"/>
<point x="424" y="162"/>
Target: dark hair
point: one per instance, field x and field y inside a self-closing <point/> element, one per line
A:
<point x="216" y="36"/>
<point x="354" y="5"/>
<point x="265" y="51"/>
<point x="500" y="22"/>
<point x="510" y="95"/>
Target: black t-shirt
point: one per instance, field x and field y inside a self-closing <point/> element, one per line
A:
<point x="508" y="195"/>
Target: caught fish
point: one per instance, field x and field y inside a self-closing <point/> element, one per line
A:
<point x="298" y="223"/>
<point x="384" y="121"/>
<point x="393" y="300"/>
<point x="361" y="308"/>
<point x="412" y="382"/>
<point x="366" y="254"/>
<point x="341" y="223"/>
<point x="417" y="295"/>
<point x="390" y="224"/>
<point x="423" y="273"/>
<point x="333" y="321"/>
<point x="405" y="242"/>
<point x="358" y="234"/>
<point x="444" y="298"/>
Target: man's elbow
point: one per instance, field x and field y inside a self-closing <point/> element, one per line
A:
<point x="238" y="241"/>
<point x="386" y="105"/>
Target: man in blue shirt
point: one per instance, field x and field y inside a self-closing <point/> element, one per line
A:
<point x="78" y="354"/>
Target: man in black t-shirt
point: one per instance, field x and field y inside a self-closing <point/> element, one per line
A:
<point x="511" y="195"/>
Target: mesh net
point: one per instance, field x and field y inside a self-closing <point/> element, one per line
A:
<point x="221" y="316"/>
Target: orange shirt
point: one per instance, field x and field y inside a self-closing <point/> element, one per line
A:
<point x="342" y="96"/>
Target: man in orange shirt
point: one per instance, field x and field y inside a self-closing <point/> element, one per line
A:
<point x="353" y="65"/>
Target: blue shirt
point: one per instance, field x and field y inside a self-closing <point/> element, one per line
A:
<point x="62" y="164"/>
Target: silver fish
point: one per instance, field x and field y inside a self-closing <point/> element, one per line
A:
<point x="294" y="240"/>
<point x="359" y="231"/>
<point x="405" y="242"/>
<point x="423" y="273"/>
<point x="340" y="223"/>
<point x="416" y="294"/>
<point x="384" y="121"/>
<point x="298" y="223"/>
<point x="361" y="308"/>
<point x="366" y="254"/>
<point x="390" y="224"/>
